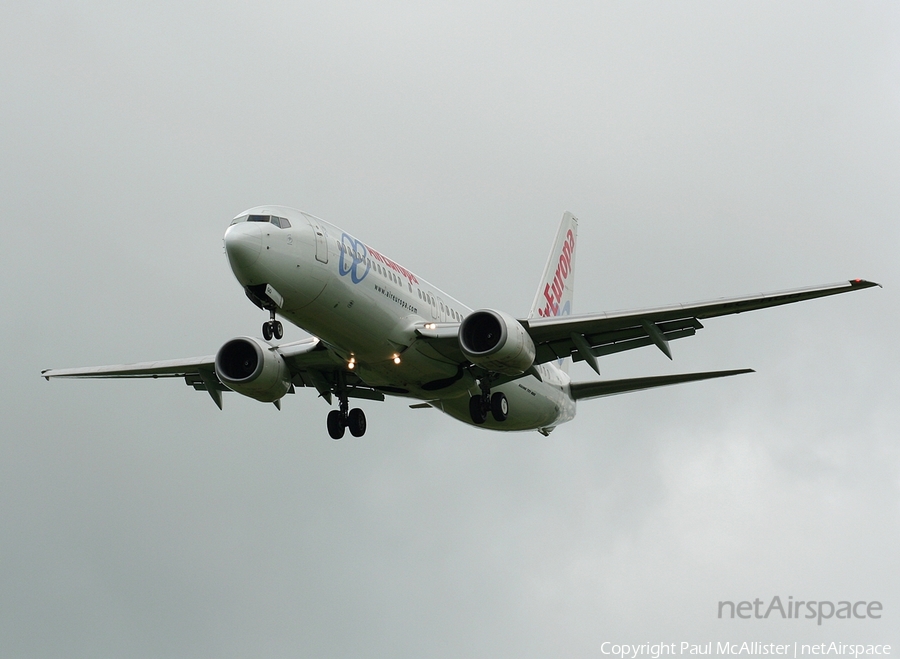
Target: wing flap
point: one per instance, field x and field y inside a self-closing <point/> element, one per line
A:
<point x="631" y="344"/>
<point x="204" y="382"/>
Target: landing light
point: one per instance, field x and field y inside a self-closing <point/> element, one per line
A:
<point x="352" y="363"/>
<point x="396" y="358"/>
<point x="430" y="326"/>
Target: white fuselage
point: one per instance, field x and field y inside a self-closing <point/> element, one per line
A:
<point x="365" y="307"/>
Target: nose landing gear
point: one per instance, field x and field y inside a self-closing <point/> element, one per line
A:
<point x="272" y="328"/>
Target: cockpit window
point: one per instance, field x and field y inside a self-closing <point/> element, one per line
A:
<point x="277" y="221"/>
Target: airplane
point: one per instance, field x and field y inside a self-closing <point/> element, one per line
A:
<point x="378" y="329"/>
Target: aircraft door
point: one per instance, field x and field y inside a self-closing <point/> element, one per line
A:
<point x="321" y="240"/>
<point x="442" y="310"/>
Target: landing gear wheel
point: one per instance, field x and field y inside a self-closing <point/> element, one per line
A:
<point x="277" y="329"/>
<point x="267" y="331"/>
<point x="477" y="409"/>
<point x="336" y="424"/>
<point x="356" y="421"/>
<point x="499" y="406"/>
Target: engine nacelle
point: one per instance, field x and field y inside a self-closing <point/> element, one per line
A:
<point x="497" y="342"/>
<point x="250" y="367"/>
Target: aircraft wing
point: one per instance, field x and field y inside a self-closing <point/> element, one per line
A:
<point x="171" y="368"/>
<point x="309" y="361"/>
<point x="587" y="337"/>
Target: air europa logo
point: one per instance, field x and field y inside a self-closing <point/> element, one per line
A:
<point x="353" y="259"/>
<point x="553" y="290"/>
<point x="357" y="259"/>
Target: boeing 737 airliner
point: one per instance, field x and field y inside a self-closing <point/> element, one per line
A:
<point x="380" y="330"/>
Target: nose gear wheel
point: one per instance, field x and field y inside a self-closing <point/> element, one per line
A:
<point x="272" y="328"/>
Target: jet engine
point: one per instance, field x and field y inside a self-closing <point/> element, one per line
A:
<point x="497" y="342"/>
<point x="252" y="368"/>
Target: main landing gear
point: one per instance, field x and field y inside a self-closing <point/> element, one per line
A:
<point x="496" y="404"/>
<point x="272" y="328"/>
<point x="342" y="418"/>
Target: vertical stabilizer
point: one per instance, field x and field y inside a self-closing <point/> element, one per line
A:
<point x="557" y="287"/>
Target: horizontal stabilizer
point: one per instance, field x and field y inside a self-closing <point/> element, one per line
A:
<point x="585" y="390"/>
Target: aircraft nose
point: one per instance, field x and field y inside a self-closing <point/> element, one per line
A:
<point x="243" y="244"/>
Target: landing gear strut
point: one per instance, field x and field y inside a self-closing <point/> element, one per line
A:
<point x="272" y="327"/>
<point x="496" y="404"/>
<point x="343" y="418"/>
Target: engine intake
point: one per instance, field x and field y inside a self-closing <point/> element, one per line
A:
<point x="497" y="342"/>
<point x="252" y="368"/>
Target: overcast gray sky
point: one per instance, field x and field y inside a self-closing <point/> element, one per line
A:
<point x="709" y="149"/>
